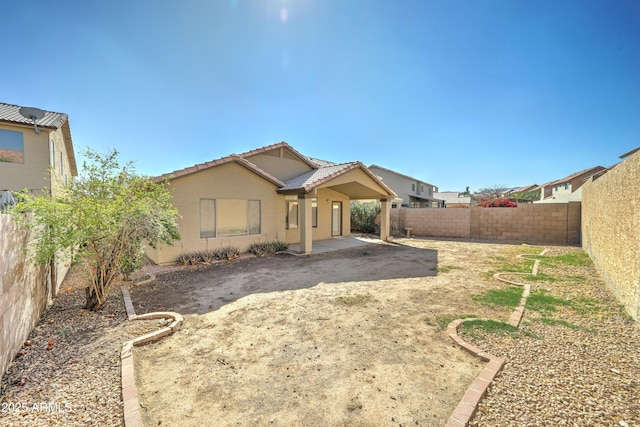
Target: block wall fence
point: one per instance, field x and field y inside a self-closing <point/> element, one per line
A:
<point x="25" y="289"/>
<point x="611" y="229"/>
<point x="540" y="223"/>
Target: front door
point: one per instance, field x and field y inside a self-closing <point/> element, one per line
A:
<point x="336" y="219"/>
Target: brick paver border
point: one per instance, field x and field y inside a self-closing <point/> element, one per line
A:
<point x="466" y="409"/>
<point x="131" y="404"/>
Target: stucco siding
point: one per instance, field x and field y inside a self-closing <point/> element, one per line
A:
<point x="229" y="181"/>
<point x="282" y="168"/>
<point x="33" y="173"/>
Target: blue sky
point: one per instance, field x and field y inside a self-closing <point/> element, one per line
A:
<point x="455" y="93"/>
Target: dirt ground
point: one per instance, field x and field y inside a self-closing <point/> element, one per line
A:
<point x="340" y="338"/>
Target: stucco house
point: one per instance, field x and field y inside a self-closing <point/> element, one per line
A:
<point x="36" y="155"/>
<point x="269" y="193"/>
<point x="453" y="199"/>
<point x="567" y="189"/>
<point x="411" y="192"/>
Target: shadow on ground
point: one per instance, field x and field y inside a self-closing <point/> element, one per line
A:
<point x="207" y="288"/>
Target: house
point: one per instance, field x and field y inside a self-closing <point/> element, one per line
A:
<point x="453" y="199"/>
<point x="36" y="154"/>
<point x="526" y="193"/>
<point x="567" y="189"/>
<point x="412" y="193"/>
<point x="270" y="193"/>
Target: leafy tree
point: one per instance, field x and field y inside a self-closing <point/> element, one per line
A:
<point x="494" y="191"/>
<point x="102" y="218"/>
<point x="363" y="216"/>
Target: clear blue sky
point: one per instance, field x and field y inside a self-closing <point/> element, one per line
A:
<point x="456" y="93"/>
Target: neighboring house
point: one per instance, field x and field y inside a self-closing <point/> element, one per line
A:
<point x="567" y="189"/>
<point x="526" y="193"/>
<point x="35" y="156"/>
<point x="270" y="193"/>
<point x="452" y="199"/>
<point x="411" y="192"/>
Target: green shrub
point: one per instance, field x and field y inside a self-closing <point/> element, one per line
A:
<point x="363" y="216"/>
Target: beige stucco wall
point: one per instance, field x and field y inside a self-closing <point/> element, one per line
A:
<point x="33" y="173"/>
<point x="539" y="223"/>
<point x="228" y="181"/>
<point x="24" y="290"/>
<point x="611" y="230"/>
<point x="283" y="168"/>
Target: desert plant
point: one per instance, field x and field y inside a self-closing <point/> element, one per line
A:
<point x="268" y="248"/>
<point x="226" y="253"/>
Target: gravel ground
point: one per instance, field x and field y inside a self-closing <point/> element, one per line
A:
<point x="583" y="372"/>
<point x="77" y="381"/>
<point x="580" y="368"/>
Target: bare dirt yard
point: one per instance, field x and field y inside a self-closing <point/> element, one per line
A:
<point x="349" y="337"/>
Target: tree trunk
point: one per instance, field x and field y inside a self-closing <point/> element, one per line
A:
<point x="93" y="302"/>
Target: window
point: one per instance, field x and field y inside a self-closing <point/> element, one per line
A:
<point x="53" y="154"/>
<point x="292" y="214"/>
<point x="566" y="186"/>
<point x="413" y="187"/>
<point x="421" y="188"/>
<point x="229" y="217"/>
<point x="207" y="218"/>
<point x="11" y="146"/>
<point x="314" y="212"/>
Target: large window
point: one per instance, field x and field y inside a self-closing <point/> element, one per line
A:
<point x="11" y="146"/>
<point x="229" y="217"/>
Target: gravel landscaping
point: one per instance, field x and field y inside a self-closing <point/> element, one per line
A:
<point x="577" y="364"/>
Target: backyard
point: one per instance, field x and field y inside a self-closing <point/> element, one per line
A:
<point x="351" y="337"/>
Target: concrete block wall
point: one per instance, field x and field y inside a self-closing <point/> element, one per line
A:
<point x="611" y="229"/>
<point x="433" y="222"/>
<point x="536" y="223"/>
<point x="24" y="290"/>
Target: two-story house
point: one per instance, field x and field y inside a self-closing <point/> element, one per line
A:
<point x="411" y="192"/>
<point x="36" y="153"/>
<point x="567" y="189"/>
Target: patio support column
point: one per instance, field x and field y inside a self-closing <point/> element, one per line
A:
<point x="385" y="218"/>
<point x="306" y="229"/>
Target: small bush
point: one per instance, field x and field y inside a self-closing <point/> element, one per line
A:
<point x="268" y="248"/>
<point x="226" y="253"/>
<point x="498" y="202"/>
<point x="209" y="256"/>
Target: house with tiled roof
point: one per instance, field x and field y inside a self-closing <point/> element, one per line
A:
<point x="567" y="189"/>
<point x="36" y="153"/>
<point x="411" y="192"/>
<point x="270" y="193"/>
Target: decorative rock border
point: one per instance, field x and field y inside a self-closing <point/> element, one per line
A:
<point x="131" y="408"/>
<point x="466" y="409"/>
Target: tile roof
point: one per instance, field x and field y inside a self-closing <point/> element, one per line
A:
<point x="589" y="172"/>
<point x="282" y="144"/>
<point x="11" y="114"/>
<point x="524" y="189"/>
<point x="629" y="153"/>
<point x="322" y="172"/>
<point x="224" y="160"/>
<point x="309" y="180"/>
